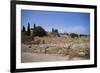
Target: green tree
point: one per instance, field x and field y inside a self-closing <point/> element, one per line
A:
<point x="23" y="29"/>
<point x="34" y="25"/>
<point x="39" y="31"/>
<point x="28" y="30"/>
<point x="52" y="29"/>
<point x="56" y="30"/>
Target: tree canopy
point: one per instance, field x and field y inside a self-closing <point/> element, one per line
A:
<point x="39" y="31"/>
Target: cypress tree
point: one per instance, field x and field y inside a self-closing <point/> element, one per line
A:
<point x="28" y="30"/>
<point x="23" y="29"/>
<point x="52" y="29"/>
<point x="56" y="30"/>
<point x="34" y="26"/>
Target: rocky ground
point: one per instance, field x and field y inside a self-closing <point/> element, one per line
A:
<point x="43" y="49"/>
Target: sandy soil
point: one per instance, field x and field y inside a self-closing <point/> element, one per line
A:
<point x="35" y="57"/>
<point x="43" y="49"/>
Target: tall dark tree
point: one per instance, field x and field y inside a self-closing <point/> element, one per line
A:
<point x="23" y="29"/>
<point x="52" y="29"/>
<point x="28" y="30"/>
<point x="34" y="26"/>
<point x="56" y="30"/>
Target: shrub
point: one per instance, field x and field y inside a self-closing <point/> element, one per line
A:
<point x="73" y="35"/>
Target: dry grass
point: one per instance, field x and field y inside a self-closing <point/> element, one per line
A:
<point x="62" y="46"/>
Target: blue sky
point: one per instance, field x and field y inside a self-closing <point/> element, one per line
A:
<point x="73" y="22"/>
